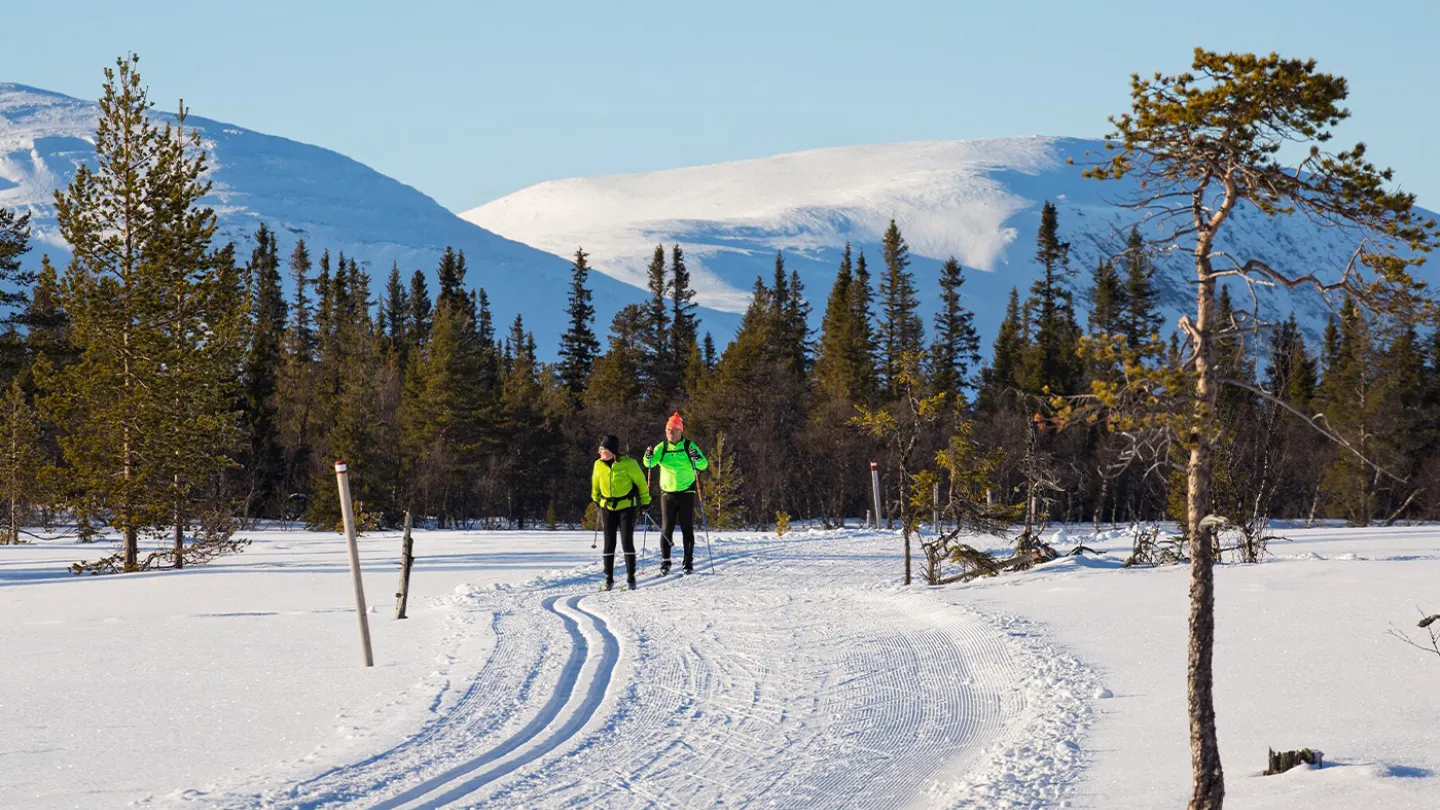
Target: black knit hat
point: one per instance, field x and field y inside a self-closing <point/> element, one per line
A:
<point x="611" y="443"/>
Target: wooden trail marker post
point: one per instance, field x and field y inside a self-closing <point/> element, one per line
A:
<point x="406" y="560"/>
<point x="875" y="487"/>
<point x="347" y="511"/>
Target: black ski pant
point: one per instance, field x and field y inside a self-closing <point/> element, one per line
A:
<point x="621" y="522"/>
<point x="677" y="508"/>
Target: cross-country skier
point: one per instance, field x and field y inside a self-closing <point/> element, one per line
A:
<point x="618" y="488"/>
<point x="679" y="460"/>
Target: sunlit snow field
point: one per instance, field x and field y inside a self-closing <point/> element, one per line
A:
<point x="799" y="674"/>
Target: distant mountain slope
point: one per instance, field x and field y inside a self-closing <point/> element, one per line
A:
<point x="300" y="191"/>
<point x="976" y="200"/>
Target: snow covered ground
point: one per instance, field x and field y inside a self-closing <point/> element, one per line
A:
<point x="799" y="675"/>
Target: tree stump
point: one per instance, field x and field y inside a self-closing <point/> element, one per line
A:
<point x="1282" y="761"/>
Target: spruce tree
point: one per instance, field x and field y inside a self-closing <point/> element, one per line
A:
<point x="707" y="353"/>
<point x="1052" y="365"/>
<point x="440" y="415"/>
<point x="1141" y="316"/>
<point x="1292" y="372"/>
<point x="684" y="327"/>
<point x="421" y="309"/>
<point x="794" y="325"/>
<point x="901" y="330"/>
<point x="47" y="325"/>
<point x="834" y="375"/>
<point x="147" y="407"/>
<point x="1109" y="307"/>
<point x="957" y="346"/>
<point x="264" y="462"/>
<point x="450" y="276"/>
<point x="1012" y="344"/>
<point x="295" y="395"/>
<point x="864" y="349"/>
<point x="657" y="369"/>
<point x="614" y="379"/>
<point x="395" y="316"/>
<point x="579" y="346"/>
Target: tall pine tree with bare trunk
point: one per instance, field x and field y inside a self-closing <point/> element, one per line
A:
<point x="1203" y="146"/>
<point x="156" y="315"/>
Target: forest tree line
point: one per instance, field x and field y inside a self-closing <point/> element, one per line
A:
<point x="161" y="383"/>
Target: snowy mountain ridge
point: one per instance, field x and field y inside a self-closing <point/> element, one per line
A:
<point x="976" y="200"/>
<point x="300" y="191"/>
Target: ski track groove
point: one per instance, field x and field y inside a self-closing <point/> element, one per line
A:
<point x="826" y="691"/>
<point x="788" y="705"/>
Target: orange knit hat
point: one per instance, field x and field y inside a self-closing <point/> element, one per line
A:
<point x="675" y="422"/>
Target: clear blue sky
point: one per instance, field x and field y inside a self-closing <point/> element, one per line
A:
<point x="468" y="101"/>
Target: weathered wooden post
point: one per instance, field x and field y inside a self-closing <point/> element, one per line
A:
<point x="875" y="488"/>
<point x="935" y="503"/>
<point x="406" y="559"/>
<point x="347" y="512"/>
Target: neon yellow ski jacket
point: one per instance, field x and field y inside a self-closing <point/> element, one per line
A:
<point x="618" y="485"/>
<point x="678" y="464"/>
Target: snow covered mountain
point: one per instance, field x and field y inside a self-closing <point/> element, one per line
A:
<point x="300" y="191"/>
<point x="976" y="200"/>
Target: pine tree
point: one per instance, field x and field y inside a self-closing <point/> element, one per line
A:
<point x="723" y="484"/>
<point x="957" y="346"/>
<point x="900" y="327"/>
<point x="579" y="346"/>
<point x="146" y="404"/>
<point x="24" y="467"/>
<point x="14" y="243"/>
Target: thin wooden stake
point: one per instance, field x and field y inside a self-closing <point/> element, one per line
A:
<point x="406" y="560"/>
<point x="347" y="511"/>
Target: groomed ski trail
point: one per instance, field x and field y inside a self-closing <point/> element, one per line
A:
<point x="798" y="677"/>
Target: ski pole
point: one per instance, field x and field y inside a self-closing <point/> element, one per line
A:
<point x="645" y="536"/>
<point x="596" y="534"/>
<point x="700" y="496"/>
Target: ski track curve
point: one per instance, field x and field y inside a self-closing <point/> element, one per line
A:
<point x="829" y="689"/>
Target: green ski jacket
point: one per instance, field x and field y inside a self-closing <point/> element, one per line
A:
<point x="618" y="485"/>
<point x="678" y="464"/>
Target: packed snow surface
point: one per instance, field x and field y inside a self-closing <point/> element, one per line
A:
<point x="798" y="674"/>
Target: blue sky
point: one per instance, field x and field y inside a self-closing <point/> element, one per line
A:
<point x="468" y="101"/>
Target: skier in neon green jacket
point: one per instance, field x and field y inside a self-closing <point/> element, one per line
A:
<point x="618" y="488"/>
<point x="679" y="460"/>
